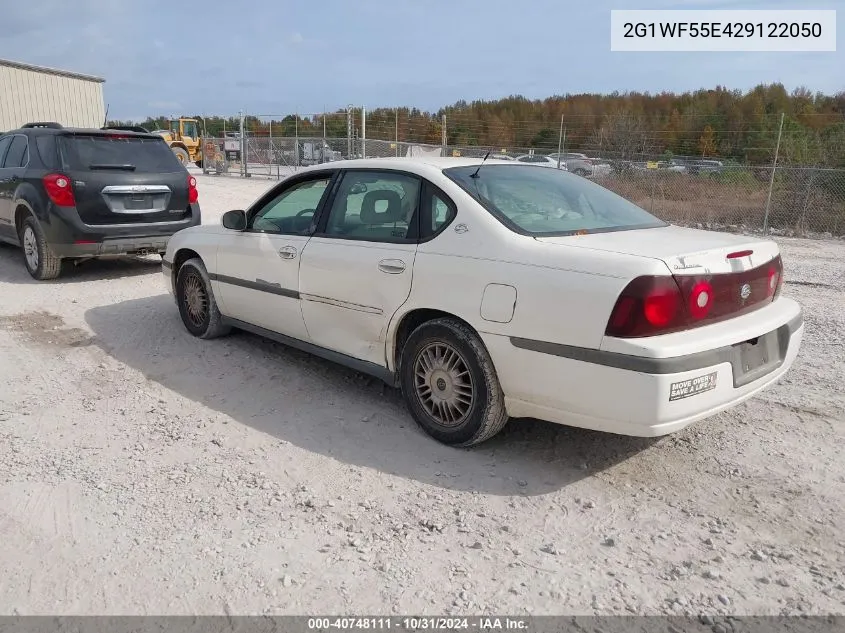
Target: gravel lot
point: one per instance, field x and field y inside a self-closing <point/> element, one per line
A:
<point x="146" y="472"/>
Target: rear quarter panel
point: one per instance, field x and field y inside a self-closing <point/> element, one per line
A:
<point x="563" y="295"/>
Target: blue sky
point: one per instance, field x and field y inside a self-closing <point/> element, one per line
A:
<point x="281" y="56"/>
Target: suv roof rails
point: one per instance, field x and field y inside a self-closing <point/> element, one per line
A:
<point x="50" y="124"/>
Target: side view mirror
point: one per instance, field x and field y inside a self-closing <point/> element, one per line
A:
<point x="358" y="187"/>
<point x="234" y="220"/>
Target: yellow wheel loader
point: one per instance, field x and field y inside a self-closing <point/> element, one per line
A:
<point x="183" y="137"/>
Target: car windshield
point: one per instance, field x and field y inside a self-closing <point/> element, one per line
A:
<point x="544" y="202"/>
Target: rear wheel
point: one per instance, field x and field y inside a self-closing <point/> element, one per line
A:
<point x="580" y="171"/>
<point x="197" y="305"/>
<point x="182" y="155"/>
<point x="450" y="385"/>
<point x="40" y="261"/>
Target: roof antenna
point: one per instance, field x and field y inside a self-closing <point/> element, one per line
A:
<point x="486" y="156"/>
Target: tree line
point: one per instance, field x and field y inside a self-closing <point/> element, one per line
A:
<point x="715" y="123"/>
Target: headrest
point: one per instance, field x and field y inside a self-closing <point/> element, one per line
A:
<point x="393" y="212"/>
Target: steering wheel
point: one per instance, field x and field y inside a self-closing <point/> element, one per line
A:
<point x="306" y="212"/>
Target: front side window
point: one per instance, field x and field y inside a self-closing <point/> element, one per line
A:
<point x="293" y="210"/>
<point x="542" y="202"/>
<point x="374" y="206"/>
<point x="189" y="129"/>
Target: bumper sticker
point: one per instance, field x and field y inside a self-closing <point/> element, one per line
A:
<point x="692" y="387"/>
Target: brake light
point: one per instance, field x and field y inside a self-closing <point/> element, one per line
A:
<point x="647" y="306"/>
<point x="59" y="190"/>
<point x="700" y="300"/>
<point x="193" y="194"/>
<point x="775" y="278"/>
<point x="650" y="306"/>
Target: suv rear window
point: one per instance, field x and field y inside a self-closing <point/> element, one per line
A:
<point x="83" y="151"/>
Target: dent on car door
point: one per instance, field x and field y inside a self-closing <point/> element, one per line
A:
<point x="257" y="277"/>
<point x="356" y="270"/>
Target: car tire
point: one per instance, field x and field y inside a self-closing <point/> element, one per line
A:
<point x="450" y="385"/>
<point x="40" y="261"/>
<point x="197" y="305"/>
<point x="182" y="155"/>
<point x="580" y="172"/>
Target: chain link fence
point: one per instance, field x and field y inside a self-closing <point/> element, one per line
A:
<point x="789" y="200"/>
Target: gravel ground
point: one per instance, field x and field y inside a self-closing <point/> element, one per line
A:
<point x="146" y="472"/>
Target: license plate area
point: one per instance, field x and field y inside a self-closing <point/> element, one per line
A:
<point x="139" y="203"/>
<point x="755" y="358"/>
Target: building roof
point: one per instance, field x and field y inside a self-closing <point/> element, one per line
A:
<point x="50" y="71"/>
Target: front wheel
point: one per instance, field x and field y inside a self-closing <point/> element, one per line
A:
<point x="197" y="305"/>
<point x="182" y="155"/>
<point x="450" y="385"/>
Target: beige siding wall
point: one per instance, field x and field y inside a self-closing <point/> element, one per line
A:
<point x="27" y="95"/>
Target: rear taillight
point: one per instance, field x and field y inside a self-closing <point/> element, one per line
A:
<point x="775" y="278"/>
<point x="193" y="194"/>
<point x="649" y="306"/>
<point x="700" y="300"/>
<point x="59" y="190"/>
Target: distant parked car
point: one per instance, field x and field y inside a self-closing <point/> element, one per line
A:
<point x="541" y="160"/>
<point x="500" y="157"/>
<point x="75" y="193"/>
<point x="583" y="165"/>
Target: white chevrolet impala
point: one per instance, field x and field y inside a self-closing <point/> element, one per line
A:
<point x="491" y="290"/>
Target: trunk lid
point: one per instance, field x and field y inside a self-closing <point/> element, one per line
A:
<point x="125" y="179"/>
<point x="684" y="251"/>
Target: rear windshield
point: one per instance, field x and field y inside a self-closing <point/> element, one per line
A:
<point x="98" y="150"/>
<point x="542" y="202"/>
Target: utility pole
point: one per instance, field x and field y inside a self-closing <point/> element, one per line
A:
<point x="443" y="133"/>
<point x="560" y="142"/>
<point x="396" y="115"/>
<point x="772" y="180"/>
<point x="363" y="132"/>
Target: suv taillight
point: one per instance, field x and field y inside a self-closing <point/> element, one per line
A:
<point x="654" y="305"/>
<point x="59" y="190"/>
<point x="193" y="194"/>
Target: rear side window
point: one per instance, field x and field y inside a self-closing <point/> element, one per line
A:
<point x="47" y="151"/>
<point x="108" y="151"/>
<point x="4" y="145"/>
<point x="18" y="154"/>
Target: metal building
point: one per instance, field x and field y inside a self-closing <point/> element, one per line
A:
<point x="34" y="93"/>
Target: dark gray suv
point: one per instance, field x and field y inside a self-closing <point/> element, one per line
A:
<point x="76" y="193"/>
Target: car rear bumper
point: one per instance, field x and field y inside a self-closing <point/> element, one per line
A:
<point x="632" y="395"/>
<point x="69" y="236"/>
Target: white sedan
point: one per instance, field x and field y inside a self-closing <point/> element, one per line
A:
<point x="495" y="291"/>
<point x="542" y="161"/>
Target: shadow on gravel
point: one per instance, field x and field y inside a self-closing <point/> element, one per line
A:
<point x="12" y="268"/>
<point x="330" y="410"/>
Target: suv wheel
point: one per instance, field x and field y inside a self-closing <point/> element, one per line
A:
<point x="450" y="385"/>
<point x="40" y="261"/>
<point x="197" y="305"/>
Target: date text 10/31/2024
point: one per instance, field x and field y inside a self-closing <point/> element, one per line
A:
<point x="418" y="624"/>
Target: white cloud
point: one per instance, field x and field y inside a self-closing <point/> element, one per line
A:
<point x="296" y="38"/>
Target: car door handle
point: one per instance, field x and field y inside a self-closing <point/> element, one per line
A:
<point x="287" y="252"/>
<point x="391" y="266"/>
